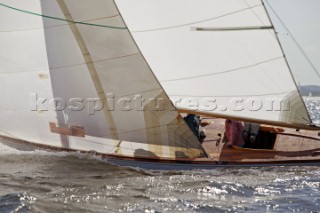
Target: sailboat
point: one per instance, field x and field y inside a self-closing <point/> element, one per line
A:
<point x="114" y="78"/>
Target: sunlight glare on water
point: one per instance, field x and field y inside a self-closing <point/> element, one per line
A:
<point x="41" y="181"/>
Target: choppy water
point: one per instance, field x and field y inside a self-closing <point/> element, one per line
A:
<point x="313" y="107"/>
<point x="41" y="181"/>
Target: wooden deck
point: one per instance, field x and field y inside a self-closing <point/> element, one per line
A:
<point x="290" y="144"/>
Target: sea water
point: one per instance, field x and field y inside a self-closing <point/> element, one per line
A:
<point x="313" y="107"/>
<point x="41" y="181"/>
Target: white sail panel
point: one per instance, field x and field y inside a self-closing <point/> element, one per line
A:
<point x="23" y="72"/>
<point x="228" y="59"/>
<point x="25" y="79"/>
<point x="21" y="31"/>
<point x="45" y="54"/>
<point x="101" y="52"/>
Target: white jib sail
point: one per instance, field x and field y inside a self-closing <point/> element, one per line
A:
<point x="81" y="54"/>
<point x="220" y="57"/>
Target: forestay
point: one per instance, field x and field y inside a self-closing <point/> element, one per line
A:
<point x="218" y="57"/>
<point x="86" y="51"/>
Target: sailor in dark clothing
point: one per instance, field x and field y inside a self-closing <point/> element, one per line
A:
<point x="193" y="122"/>
<point x="250" y="132"/>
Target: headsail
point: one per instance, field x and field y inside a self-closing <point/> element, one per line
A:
<point x="218" y="57"/>
<point x="299" y="35"/>
<point x="91" y="56"/>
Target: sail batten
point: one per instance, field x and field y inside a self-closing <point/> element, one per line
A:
<point x="232" y="28"/>
<point x="168" y="27"/>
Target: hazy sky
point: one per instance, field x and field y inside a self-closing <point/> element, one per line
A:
<point x="302" y="18"/>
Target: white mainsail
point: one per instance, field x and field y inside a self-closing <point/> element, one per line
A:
<point x="218" y="57"/>
<point x="71" y="49"/>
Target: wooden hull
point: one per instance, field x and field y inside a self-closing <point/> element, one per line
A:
<point x="190" y="165"/>
<point x="290" y="149"/>
<point x="163" y="164"/>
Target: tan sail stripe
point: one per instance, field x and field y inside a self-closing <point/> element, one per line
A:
<point x="93" y="72"/>
<point x="152" y="120"/>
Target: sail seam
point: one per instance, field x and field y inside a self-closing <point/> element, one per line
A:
<point x="126" y="95"/>
<point x="196" y="22"/>
<point x="137" y="93"/>
<point x="8" y="72"/>
<point x="91" y="67"/>
<point x="103" y="60"/>
<point x="258" y="17"/>
<point x="207" y="96"/>
<point x="143" y="129"/>
<point x="201" y="151"/>
<point x="223" y="72"/>
<point x="253" y="12"/>
<point x="55" y="26"/>
<point x="62" y="19"/>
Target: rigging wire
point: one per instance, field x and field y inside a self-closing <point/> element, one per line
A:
<point x="254" y="12"/>
<point x="61" y="19"/>
<point x="259" y="18"/>
<point x="295" y="41"/>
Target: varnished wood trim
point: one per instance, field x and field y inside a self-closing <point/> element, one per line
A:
<point x="239" y="118"/>
<point x="236" y="153"/>
<point x="202" y="161"/>
<point x="272" y="129"/>
<point x="300" y="136"/>
<point x="77" y="131"/>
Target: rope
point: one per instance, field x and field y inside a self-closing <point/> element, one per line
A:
<point x="61" y="19"/>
